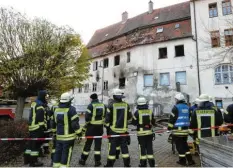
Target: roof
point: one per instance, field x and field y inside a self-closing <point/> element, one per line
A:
<point x="164" y="15"/>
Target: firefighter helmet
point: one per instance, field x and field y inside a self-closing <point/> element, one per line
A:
<point x="141" y="101"/>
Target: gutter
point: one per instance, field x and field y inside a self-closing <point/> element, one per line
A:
<point x="197" y="49"/>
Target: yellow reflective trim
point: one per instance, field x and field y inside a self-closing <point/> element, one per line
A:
<point x="212" y="125"/>
<point x="100" y="122"/>
<point x="118" y="148"/>
<point x="74" y="117"/>
<point x="170" y="125"/>
<point x="53" y="151"/>
<point x="27" y="151"/>
<point x="63" y="166"/>
<point x="33" y="106"/>
<point x="110" y="157"/>
<point x="198" y="126"/>
<point x="150" y="156"/>
<point x="107" y="124"/>
<point x="187" y="153"/>
<point x="54" y="130"/>
<point x="78" y="131"/>
<point x="66" y="124"/>
<point x="66" y="137"/>
<point x="226" y="112"/>
<point x="143" y="157"/>
<point x="33" y="153"/>
<point x="56" y="165"/>
<point x="125" y="155"/>
<point x="124" y="107"/>
<point x="173" y="115"/>
<point x="181" y="155"/>
<point x="134" y="117"/>
<point x="97" y="152"/>
<point x="41" y="123"/>
<point x="69" y="156"/>
<point x="148" y="132"/>
<point x="89" y="111"/>
<point x="40" y="107"/>
<point x="85" y="153"/>
<point x="34" y="127"/>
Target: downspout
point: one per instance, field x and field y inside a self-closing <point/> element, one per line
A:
<point x="198" y="69"/>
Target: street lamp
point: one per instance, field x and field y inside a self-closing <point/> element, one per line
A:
<point x="102" y="88"/>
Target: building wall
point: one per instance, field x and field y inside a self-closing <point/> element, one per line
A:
<point x="210" y="58"/>
<point x="144" y="60"/>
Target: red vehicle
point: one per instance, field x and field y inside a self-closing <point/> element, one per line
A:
<point x="7" y="109"/>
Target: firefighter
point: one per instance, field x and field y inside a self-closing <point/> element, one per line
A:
<point x="94" y="117"/>
<point x="203" y="117"/>
<point x="194" y="107"/>
<point x="228" y="116"/>
<point x="66" y="123"/>
<point x="117" y="122"/>
<point x="144" y="120"/>
<point x="54" y="106"/>
<point x="179" y="123"/>
<point x="47" y="133"/>
<point x="37" y="126"/>
<point x="211" y="101"/>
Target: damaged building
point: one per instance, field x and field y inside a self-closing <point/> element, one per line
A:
<point x="152" y="54"/>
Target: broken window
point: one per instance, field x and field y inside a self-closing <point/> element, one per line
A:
<point x="95" y="66"/>
<point x="148" y="80"/>
<point x="79" y="90"/>
<point x="94" y="87"/>
<point x="128" y="57"/>
<point x="105" y="85"/>
<point x="106" y="63"/>
<point x="159" y="29"/>
<point x="117" y="60"/>
<point x="86" y="88"/>
<point x="177" y="26"/>
<point x="164" y="79"/>
<point x="226" y="7"/>
<point x="228" y="37"/>
<point x="162" y="53"/>
<point x="122" y="83"/>
<point x="179" y="50"/>
<point x="181" y="77"/>
<point x="215" y="39"/>
<point x="213" y="10"/>
<point x="224" y="74"/>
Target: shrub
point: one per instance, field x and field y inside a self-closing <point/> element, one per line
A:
<point x="12" y="149"/>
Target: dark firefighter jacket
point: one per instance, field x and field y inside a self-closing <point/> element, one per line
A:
<point x="37" y="116"/>
<point x="180" y="119"/>
<point x="228" y="116"/>
<point x="203" y="117"/>
<point x="144" y="119"/>
<point x="118" y="116"/>
<point x="66" y="122"/>
<point x="95" y="113"/>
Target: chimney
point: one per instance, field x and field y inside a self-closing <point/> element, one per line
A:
<point x="124" y="17"/>
<point x="150" y="7"/>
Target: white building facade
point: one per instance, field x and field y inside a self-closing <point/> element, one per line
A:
<point x="212" y="20"/>
<point x="155" y="61"/>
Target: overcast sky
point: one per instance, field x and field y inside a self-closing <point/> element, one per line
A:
<point x="85" y="16"/>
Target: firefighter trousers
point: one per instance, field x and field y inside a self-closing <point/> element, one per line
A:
<point x="93" y="130"/>
<point x="33" y="147"/>
<point x="181" y="145"/>
<point x="53" y="149"/>
<point x="114" y="143"/>
<point x="63" y="153"/>
<point x="146" y="150"/>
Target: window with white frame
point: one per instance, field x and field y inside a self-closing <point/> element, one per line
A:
<point x="94" y="87"/>
<point x="105" y="85"/>
<point x="95" y="66"/>
<point x="226" y="7"/>
<point x="164" y="79"/>
<point x="224" y="74"/>
<point x="181" y="77"/>
<point x="86" y="88"/>
<point x="213" y="10"/>
<point x="159" y="29"/>
<point x="148" y="80"/>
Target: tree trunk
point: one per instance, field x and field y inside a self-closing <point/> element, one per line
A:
<point x="20" y="108"/>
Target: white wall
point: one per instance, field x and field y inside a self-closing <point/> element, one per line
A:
<point x="211" y="57"/>
<point x="144" y="60"/>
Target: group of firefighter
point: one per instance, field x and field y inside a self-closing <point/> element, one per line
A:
<point x="63" y="121"/>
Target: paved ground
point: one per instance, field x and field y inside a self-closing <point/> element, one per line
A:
<point x="162" y="151"/>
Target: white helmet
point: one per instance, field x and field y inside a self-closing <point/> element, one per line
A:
<point x="203" y="98"/>
<point x="179" y="96"/>
<point x="117" y="92"/>
<point x="66" y="97"/>
<point x="211" y="99"/>
<point x="141" y="101"/>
